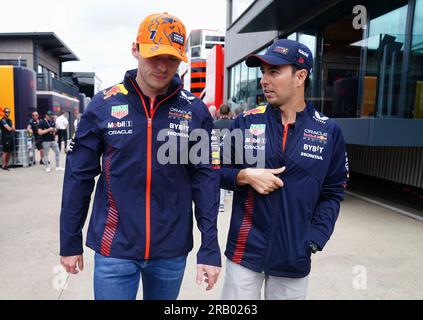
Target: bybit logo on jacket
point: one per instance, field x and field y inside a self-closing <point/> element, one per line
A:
<point x="316" y="149"/>
<point x="182" y="129"/>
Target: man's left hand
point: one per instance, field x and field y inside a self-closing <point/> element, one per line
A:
<point x="207" y="273"/>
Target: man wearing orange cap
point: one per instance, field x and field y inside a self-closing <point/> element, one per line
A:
<point x="141" y="223"/>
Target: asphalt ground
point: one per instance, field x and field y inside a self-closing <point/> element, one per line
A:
<point x="374" y="253"/>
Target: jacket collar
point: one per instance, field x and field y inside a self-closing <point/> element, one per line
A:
<point x="308" y="111"/>
<point x="175" y="84"/>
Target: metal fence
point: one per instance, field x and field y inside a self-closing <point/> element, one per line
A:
<point x="398" y="164"/>
<point x="47" y="83"/>
<point x="23" y="151"/>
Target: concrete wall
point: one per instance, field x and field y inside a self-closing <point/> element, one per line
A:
<point x="382" y="131"/>
<point x="12" y="49"/>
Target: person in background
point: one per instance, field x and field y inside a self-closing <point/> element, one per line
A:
<point x="62" y="125"/>
<point x="238" y="110"/>
<point x="212" y="110"/>
<point x="224" y="121"/>
<point x="32" y="128"/>
<point x="47" y="129"/>
<point x="7" y="130"/>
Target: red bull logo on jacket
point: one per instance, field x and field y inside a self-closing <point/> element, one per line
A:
<point x="119" y="88"/>
<point x="257" y="110"/>
<point x="317" y="136"/>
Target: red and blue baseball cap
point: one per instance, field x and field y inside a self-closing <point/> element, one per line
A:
<point x="283" y="52"/>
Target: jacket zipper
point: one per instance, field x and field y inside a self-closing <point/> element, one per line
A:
<point x="272" y="231"/>
<point x="285" y="136"/>
<point x="149" y="116"/>
<point x="148" y="188"/>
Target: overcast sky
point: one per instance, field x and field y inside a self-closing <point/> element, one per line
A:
<point x="101" y="33"/>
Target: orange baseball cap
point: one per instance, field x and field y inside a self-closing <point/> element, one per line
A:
<point x="162" y="33"/>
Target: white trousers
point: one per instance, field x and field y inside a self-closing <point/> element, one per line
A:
<point x="223" y="194"/>
<point x="244" y="284"/>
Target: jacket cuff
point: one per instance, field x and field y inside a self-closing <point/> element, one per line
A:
<point x="210" y="259"/>
<point x="71" y="247"/>
<point x="318" y="237"/>
<point x="228" y="179"/>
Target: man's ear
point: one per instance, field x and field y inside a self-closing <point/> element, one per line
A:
<point x="134" y="50"/>
<point x="301" y="77"/>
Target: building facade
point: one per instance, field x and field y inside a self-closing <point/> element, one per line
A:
<point x="367" y="73"/>
<point x="198" y="45"/>
<point x="31" y="71"/>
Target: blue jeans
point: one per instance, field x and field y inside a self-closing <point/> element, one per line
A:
<point x="118" y="279"/>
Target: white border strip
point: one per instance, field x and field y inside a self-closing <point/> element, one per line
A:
<point x="378" y="203"/>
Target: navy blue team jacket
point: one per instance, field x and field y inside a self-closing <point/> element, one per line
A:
<point x="271" y="233"/>
<point x="142" y="209"/>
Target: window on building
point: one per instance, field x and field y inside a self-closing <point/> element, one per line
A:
<point x="243" y="92"/>
<point x="195" y="38"/>
<point x="17" y="62"/>
<point x="414" y="92"/>
<point x="234" y="94"/>
<point x="340" y="68"/>
<point x="384" y="49"/>
<point x="292" y="36"/>
<point x="42" y="69"/>
<point x="231" y="83"/>
<point x="195" y="52"/>
<point x="253" y="84"/>
<point x="309" y="39"/>
<point x="215" y="38"/>
<point x="210" y="45"/>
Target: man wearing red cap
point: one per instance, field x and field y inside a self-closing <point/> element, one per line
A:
<point x="141" y="223"/>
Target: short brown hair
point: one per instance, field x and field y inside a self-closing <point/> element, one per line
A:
<point x="224" y="109"/>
